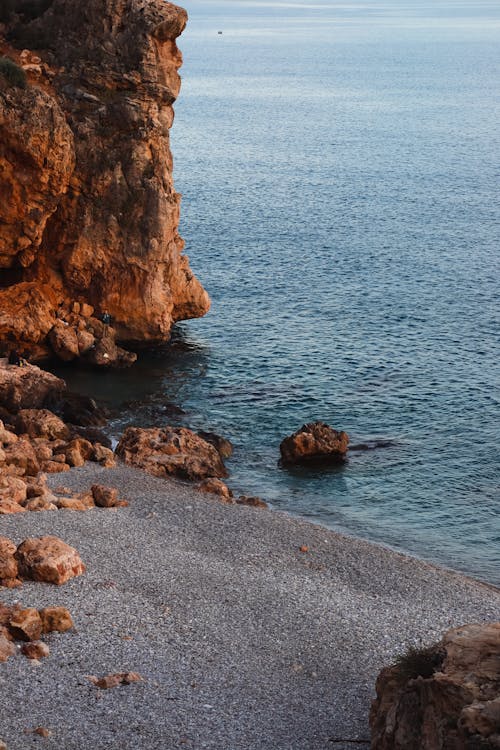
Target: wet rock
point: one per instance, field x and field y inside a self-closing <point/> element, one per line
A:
<point x="217" y="487"/>
<point x="442" y="697"/>
<point x="314" y="442"/>
<point x="26" y="387"/>
<point x="55" y="619"/>
<point x="253" y="502"/>
<point x="171" y="451"/>
<point x="48" y="559"/>
<point x="35" y="650"/>
<point x="26" y="625"/>
<point x="221" y="444"/>
<point x="77" y="409"/>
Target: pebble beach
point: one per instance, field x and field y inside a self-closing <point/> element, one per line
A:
<point x="251" y="630"/>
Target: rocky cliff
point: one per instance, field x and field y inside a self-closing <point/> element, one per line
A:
<point x="88" y="210"/>
<point x="442" y="698"/>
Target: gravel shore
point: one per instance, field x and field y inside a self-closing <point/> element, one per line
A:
<point x="244" y="641"/>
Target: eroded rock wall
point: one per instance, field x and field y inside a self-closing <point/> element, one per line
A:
<point x="88" y="209"/>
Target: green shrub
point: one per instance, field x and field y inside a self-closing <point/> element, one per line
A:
<point x="419" y="661"/>
<point x="12" y="73"/>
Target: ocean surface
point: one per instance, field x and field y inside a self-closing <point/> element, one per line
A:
<point x="340" y="170"/>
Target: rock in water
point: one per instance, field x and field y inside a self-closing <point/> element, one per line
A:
<point x="91" y="223"/>
<point x="314" y="442"/>
<point x="446" y="698"/>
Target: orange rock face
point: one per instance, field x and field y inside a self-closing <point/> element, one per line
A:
<point x="446" y="700"/>
<point x="171" y="451"/>
<point x="92" y="214"/>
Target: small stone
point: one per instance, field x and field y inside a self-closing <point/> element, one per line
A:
<point x="26" y="625"/>
<point x="35" y="650"/>
<point x="7" y="648"/>
<point x="113" y="680"/>
<point x="42" y="731"/>
<point x="253" y="502"/>
<point x="104" y="497"/>
<point x="71" y="503"/>
<point x="217" y="487"/>
<point x="55" y="619"/>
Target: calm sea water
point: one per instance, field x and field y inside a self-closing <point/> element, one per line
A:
<point x="340" y="168"/>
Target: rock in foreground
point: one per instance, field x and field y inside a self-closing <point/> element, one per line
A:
<point x="49" y="560"/>
<point x="26" y="387"/>
<point x="443" y="698"/>
<point x="171" y="451"/>
<point x="314" y="442"/>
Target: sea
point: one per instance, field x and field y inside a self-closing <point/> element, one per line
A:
<point x="340" y="170"/>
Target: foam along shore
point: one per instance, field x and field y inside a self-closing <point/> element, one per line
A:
<point x="250" y="629"/>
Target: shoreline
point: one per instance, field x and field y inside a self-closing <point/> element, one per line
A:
<point x="243" y="641"/>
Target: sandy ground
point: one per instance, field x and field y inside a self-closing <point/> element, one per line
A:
<point x="244" y="642"/>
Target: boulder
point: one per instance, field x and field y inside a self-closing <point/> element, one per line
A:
<point x="26" y="387"/>
<point x="64" y="341"/>
<point x="7" y="648"/>
<point x="41" y="423"/>
<point x="35" y="650"/>
<point x="104" y="497"/>
<point x="445" y="697"/>
<point x="103" y="456"/>
<point x="6" y="437"/>
<point x="26" y="625"/>
<point x="40" y="503"/>
<point x="13" y="488"/>
<point x="48" y="559"/>
<point x="253" y="502"/>
<point x="55" y="619"/>
<point x="222" y="445"/>
<point x="10" y="506"/>
<point x="314" y="442"/>
<point x="171" y="451"/>
<point x="8" y="563"/>
<point x="22" y="458"/>
<point x="217" y="487"/>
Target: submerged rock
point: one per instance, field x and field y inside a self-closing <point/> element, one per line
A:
<point x="314" y="442"/>
<point x="445" y="697"/>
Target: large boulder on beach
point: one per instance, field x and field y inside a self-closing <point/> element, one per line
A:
<point x="314" y="442"/>
<point x="41" y="423"/>
<point x="26" y="387"/>
<point x="171" y="451"/>
<point x="48" y="559"/>
<point x="445" y="697"/>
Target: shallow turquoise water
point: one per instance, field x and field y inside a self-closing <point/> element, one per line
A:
<point x="340" y="170"/>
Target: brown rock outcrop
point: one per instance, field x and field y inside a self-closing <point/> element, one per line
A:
<point x="49" y="560"/>
<point x="442" y="698"/>
<point x="171" y="451"/>
<point x="55" y="619"/>
<point x="92" y="215"/>
<point x="315" y="441"/>
<point x="25" y="387"/>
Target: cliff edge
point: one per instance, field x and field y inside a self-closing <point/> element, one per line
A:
<point x="88" y="210"/>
